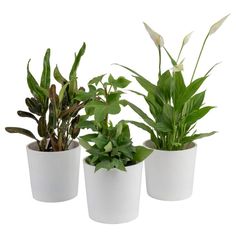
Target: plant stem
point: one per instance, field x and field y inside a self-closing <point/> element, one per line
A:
<point x="180" y="51"/>
<point x="199" y="56"/>
<point x="159" y="50"/>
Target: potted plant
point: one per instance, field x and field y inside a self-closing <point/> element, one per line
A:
<point x="114" y="166"/>
<point x="175" y="108"/>
<point x="54" y="157"/>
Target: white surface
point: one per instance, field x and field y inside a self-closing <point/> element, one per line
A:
<point x="54" y="175"/>
<point x="114" y="32"/>
<point x="169" y="174"/>
<point x="113" y="196"/>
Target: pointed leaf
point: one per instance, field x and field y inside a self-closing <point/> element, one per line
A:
<point x="77" y="61"/>
<point x="141" y="154"/>
<point x="45" y="78"/>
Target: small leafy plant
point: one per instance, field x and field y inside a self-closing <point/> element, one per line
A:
<point x="175" y="107"/>
<point x="56" y="114"/>
<point x="109" y="146"/>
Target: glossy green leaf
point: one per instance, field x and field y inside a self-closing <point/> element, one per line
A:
<point x="27" y="114"/>
<point x="20" y="131"/>
<point x="198" y="114"/>
<point x="141" y="154"/>
<point x="58" y="76"/>
<point x="76" y="62"/>
<point x="45" y="78"/>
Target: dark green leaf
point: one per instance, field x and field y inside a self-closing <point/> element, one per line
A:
<point x="42" y="127"/>
<point x="20" y="131"/>
<point x="27" y="114"/>
<point x="45" y="78"/>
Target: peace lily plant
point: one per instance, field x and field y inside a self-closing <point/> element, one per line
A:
<point x="175" y="108"/>
<point x="113" y="167"/>
<point x="54" y="156"/>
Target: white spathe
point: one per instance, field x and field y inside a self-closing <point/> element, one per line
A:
<point x="169" y="174"/>
<point x="54" y="175"/>
<point x="113" y="196"/>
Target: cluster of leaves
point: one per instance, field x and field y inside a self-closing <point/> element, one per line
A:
<point x="109" y="146"/>
<point x="56" y="114"/>
<point x="175" y="107"/>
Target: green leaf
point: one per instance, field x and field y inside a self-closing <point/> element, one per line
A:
<point x="122" y="82"/>
<point x="146" y="128"/>
<point x="165" y="85"/>
<point x="104" y="165"/>
<point x="89" y="137"/>
<point x="101" y="141"/>
<point x="42" y="127"/>
<point x="76" y="62"/>
<point x="141" y="154"/>
<point x="113" y="97"/>
<point x="45" y="78"/>
<point x="114" y="108"/>
<point x="116" y="163"/>
<point x="20" y="131"/>
<point x="198" y="114"/>
<point x="108" y="147"/>
<point x="96" y="80"/>
<point x="27" y="114"/>
<point x="191" y="138"/>
<point x="34" y="106"/>
<point x="62" y="92"/>
<point x="189" y="92"/>
<point x="84" y="144"/>
<point x="33" y="86"/>
<point x="179" y="86"/>
<point x="58" y="77"/>
<point x="149" y="121"/>
<point x="148" y="86"/>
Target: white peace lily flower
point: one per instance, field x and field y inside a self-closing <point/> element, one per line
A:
<point x="217" y="25"/>
<point x="186" y="38"/>
<point x="157" y="38"/>
<point x="179" y="67"/>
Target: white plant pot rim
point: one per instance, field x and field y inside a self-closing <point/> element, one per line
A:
<point x="74" y="143"/>
<point x="145" y="143"/>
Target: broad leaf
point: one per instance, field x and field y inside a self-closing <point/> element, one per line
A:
<point x="27" y="114"/>
<point x="141" y="154"/>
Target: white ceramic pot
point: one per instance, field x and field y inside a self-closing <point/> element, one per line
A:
<point x="169" y="174"/>
<point x="113" y="196"/>
<point x="54" y="175"/>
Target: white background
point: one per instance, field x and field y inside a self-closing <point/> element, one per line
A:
<point x="114" y="32"/>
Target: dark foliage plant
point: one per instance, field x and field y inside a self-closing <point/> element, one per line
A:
<point x="56" y="113"/>
<point x="109" y="146"/>
<point x="174" y="105"/>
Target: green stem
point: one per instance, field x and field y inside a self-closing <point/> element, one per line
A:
<point x="180" y="51"/>
<point x="199" y="56"/>
<point x="159" y="51"/>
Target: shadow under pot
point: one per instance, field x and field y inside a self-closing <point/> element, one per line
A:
<point x="113" y="196"/>
<point x="54" y="175"/>
<point x="169" y="174"/>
